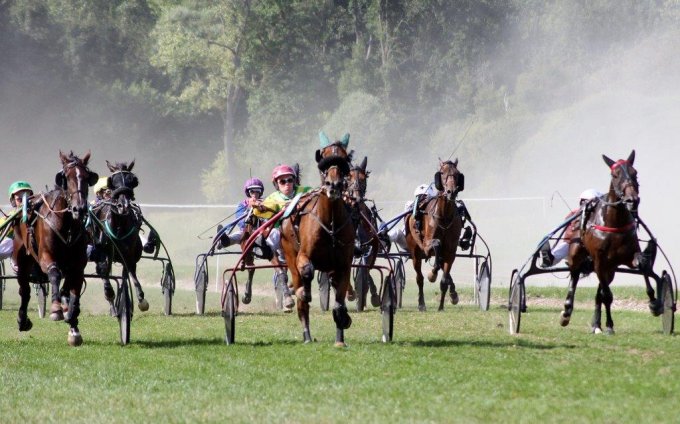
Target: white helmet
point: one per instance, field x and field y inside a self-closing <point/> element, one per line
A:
<point x="421" y="189"/>
<point x="590" y="194"/>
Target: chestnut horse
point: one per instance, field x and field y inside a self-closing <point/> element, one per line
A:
<point x="438" y="237"/>
<point x="55" y="238"/>
<point x="608" y="238"/>
<point x="319" y="235"/>
<point x="122" y="220"/>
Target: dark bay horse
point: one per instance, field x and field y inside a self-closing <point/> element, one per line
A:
<point x="608" y="238"/>
<point x="367" y="243"/>
<point x="438" y="237"/>
<point x="319" y="235"/>
<point x="55" y="238"/>
<point x="122" y="220"/>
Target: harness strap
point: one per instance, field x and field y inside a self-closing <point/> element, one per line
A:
<point x="624" y="229"/>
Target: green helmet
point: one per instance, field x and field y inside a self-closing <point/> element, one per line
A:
<point x="18" y="186"/>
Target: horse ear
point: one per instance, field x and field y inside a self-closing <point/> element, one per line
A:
<point x="350" y="156"/>
<point x="92" y="179"/>
<point x="345" y="140"/>
<point x="631" y="157"/>
<point x="455" y="163"/>
<point x="318" y="156"/>
<point x="86" y="157"/>
<point x="63" y="157"/>
<point x="460" y="181"/>
<point x="132" y="164"/>
<point x="438" y="181"/>
<point x="608" y="161"/>
<point x="323" y="140"/>
<point x="111" y="167"/>
<point x="363" y="164"/>
<point x="60" y="179"/>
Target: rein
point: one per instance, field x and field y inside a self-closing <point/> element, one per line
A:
<point x="441" y="218"/>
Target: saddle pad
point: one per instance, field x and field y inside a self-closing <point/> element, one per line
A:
<point x="291" y="206"/>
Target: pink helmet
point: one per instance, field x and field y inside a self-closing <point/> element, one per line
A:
<point x="253" y="183"/>
<point x="280" y="171"/>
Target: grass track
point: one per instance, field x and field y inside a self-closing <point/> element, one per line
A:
<point x="460" y="365"/>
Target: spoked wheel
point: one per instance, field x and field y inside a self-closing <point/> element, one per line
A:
<point x="324" y="290"/>
<point x="361" y="286"/>
<point x="399" y="281"/>
<point x="668" y="316"/>
<point x="201" y="282"/>
<point x="124" y="310"/>
<point x="387" y="309"/>
<point x="168" y="285"/>
<point x="41" y="291"/>
<point x="515" y="302"/>
<point x="229" y="313"/>
<point x="483" y="286"/>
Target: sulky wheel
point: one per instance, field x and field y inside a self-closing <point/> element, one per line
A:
<point x="387" y="310"/>
<point x="324" y="290"/>
<point x="229" y="314"/>
<point x="124" y="310"/>
<point x="483" y="286"/>
<point x="201" y="284"/>
<point x="515" y="302"/>
<point x="667" y="317"/>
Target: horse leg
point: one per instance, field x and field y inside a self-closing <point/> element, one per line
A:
<point x="608" y="298"/>
<point x="435" y="245"/>
<point x="281" y="280"/>
<point x="103" y="268"/>
<point x="248" y="293"/>
<point x="303" y="274"/>
<point x="419" y="280"/>
<point x="655" y="304"/>
<point x="596" y="323"/>
<point x="23" y="320"/>
<point x="340" y="315"/>
<point x="141" y="301"/>
<point x="71" y="318"/>
<point x="565" y="316"/>
<point x="446" y="271"/>
<point x="54" y="275"/>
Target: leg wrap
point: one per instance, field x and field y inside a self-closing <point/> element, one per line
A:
<point x="54" y="275"/>
<point x="341" y="317"/>
<point x="307" y="272"/>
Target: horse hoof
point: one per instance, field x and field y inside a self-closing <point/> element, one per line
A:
<point x="440" y="309"/>
<point x="431" y="277"/>
<point x="56" y="314"/>
<point x="655" y="308"/>
<point x="351" y="296"/>
<point x="74" y="338"/>
<point x="564" y="320"/>
<point x="246" y="299"/>
<point x="25" y="325"/>
<point x="143" y="305"/>
<point x="596" y="330"/>
<point x="609" y="331"/>
<point x="340" y="344"/>
<point x="422" y="308"/>
<point x="454" y="297"/>
<point x="375" y="300"/>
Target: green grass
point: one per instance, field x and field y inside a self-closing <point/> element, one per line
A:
<point x="460" y="365"/>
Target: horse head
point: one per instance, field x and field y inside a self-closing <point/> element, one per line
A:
<point x="122" y="182"/>
<point x="333" y="170"/>
<point x="356" y="190"/>
<point x="75" y="178"/>
<point x="448" y="179"/>
<point x="624" y="186"/>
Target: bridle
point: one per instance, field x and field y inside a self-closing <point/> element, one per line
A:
<point x="625" y="182"/>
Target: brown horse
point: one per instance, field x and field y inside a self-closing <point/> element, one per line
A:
<point x="122" y="219"/>
<point x="55" y="238"/>
<point x="319" y="235"/>
<point x="438" y="237"/>
<point x="367" y="243"/>
<point x="608" y="239"/>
